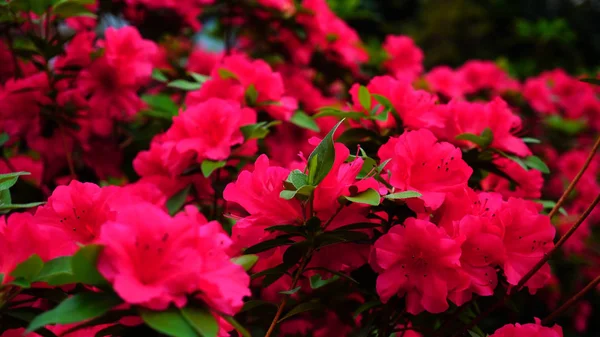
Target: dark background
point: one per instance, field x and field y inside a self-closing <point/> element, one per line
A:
<point x="525" y="36"/>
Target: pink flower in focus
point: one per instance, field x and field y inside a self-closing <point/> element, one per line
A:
<point x="528" y="236"/>
<point x="418" y="162"/>
<point x="418" y="260"/>
<point x="210" y="129"/>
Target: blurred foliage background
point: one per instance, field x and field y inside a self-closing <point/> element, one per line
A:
<point x="524" y="36"/>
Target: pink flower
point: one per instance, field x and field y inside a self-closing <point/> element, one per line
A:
<point x="480" y="75"/>
<point x="446" y="81"/>
<point x="537" y="92"/>
<point x="415" y="107"/>
<point x="202" y="61"/>
<point x="154" y="260"/>
<point x="258" y="193"/>
<point x="527" y="183"/>
<point x="20" y="238"/>
<point x="75" y="214"/>
<point x="482" y="250"/>
<point x="418" y="162"/>
<point x="528" y="330"/>
<point x="210" y="129"/>
<point x="528" y="236"/>
<point x="405" y="59"/>
<point x="241" y="74"/>
<point x="465" y="117"/>
<point x="418" y="260"/>
<point x="113" y="79"/>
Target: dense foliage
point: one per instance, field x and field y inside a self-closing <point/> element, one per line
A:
<point x="249" y="168"/>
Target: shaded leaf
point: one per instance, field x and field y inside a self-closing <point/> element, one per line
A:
<point x="300" y="308"/>
<point x="321" y="159"/>
<point x="169" y="322"/>
<point x="201" y="320"/>
<point x="301" y="119"/>
<point x="75" y="309"/>
<point x="84" y="264"/>
<point x="175" y="203"/>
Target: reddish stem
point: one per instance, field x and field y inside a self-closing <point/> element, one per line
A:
<point x="571" y="186"/>
<point x="571" y="301"/>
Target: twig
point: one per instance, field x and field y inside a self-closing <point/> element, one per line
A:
<point x="286" y="297"/>
<point x="560" y="242"/>
<point x="571" y="186"/>
<point x="570" y="301"/>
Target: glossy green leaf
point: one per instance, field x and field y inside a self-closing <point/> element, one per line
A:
<point x="83" y="265"/>
<point x="403" y="195"/>
<point x="268" y="244"/>
<point x="364" y="97"/>
<point x="201" y="320"/>
<point x="536" y="163"/>
<point x="321" y="159"/>
<point x="177" y="201"/>
<point x="300" y="308"/>
<point x="334" y="112"/>
<point x="237" y="326"/>
<point x="157" y="75"/>
<point x="291" y="291"/>
<point x="184" y="85"/>
<point x="29" y="269"/>
<point x="225" y="74"/>
<point x="208" y="167"/>
<point x="246" y="261"/>
<point x="316" y="281"/>
<point x="67" y="9"/>
<point x="297" y="178"/>
<point x="77" y="308"/>
<point x="169" y="322"/>
<point x="57" y="272"/>
<point x="251" y="95"/>
<point x="7" y="180"/>
<point x="301" y="119"/>
<point x="368" y="197"/>
<point x="531" y="140"/>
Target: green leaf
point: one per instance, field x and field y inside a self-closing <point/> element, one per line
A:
<point x="175" y="203"/>
<point x="383" y="101"/>
<point x="162" y="102"/>
<point x="368" y="197"/>
<point x="77" y="308"/>
<point x="366" y="306"/>
<point x="303" y="120"/>
<point x="184" y="85"/>
<point x="84" y="264"/>
<point x="237" y="326"/>
<point x="334" y="112"/>
<point x="199" y="77"/>
<point x="225" y="74"/>
<point x="403" y="195"/>
<point x="316" y="281"/>
<point x="246" y="261"/>
<point x="257" y="303"/>
<point x="321" y="159"/>
<point x="208" y="167"/>
<point x="169" y="322"/>
<point x="549" y="204"/>
<point x="268" y="244"/>
<point x="305" y="190"/>
<point x="3" y="138"/>
<point x="7" y="180"/>
<point x="157" y="75"/>
<point x="5" y="208"/>
<point x="535" y="162"/>
<point x="297" y="178"/>
<point x="251" y="95"/>
<point x="483" y="141"/>
<point x="57" y="272"/>
<point x="258" y="130"/>
<point x="201" y="320"/>
<point x="291" y="291"/>
<point x="300" y="308"/>
<point x="565" y="125"/>
<point x="29" y="269"/>
<point x="531" y="140"/>
<point x="364" y="97"/>
<point x="67" y="9"/>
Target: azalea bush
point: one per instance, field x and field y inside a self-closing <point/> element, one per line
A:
<point x="202" y="168"/>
